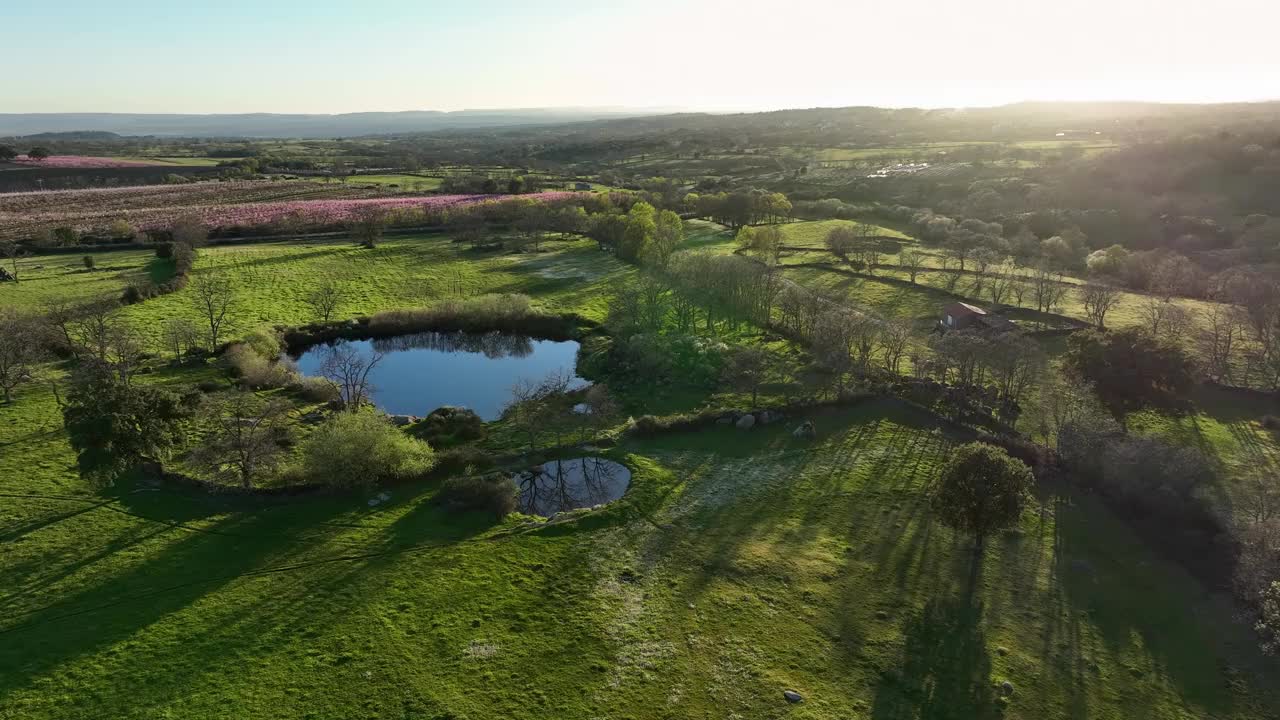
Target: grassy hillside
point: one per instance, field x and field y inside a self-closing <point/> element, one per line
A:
<point x="739" y="564"/>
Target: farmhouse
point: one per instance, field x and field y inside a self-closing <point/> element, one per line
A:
<point x="963" y="316"/>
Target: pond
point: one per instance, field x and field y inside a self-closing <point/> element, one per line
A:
<point x="421" y="372"/>
<point x="562" y="485"/>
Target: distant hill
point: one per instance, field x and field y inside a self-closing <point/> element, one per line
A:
<point x="301" y="126"/>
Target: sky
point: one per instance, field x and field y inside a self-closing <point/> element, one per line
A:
<point x="322" y="56"/>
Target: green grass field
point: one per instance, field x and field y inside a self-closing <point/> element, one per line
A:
<point x="51" y="278"/>
<point x="405" y="271"/>
<point x="737" y="565"/>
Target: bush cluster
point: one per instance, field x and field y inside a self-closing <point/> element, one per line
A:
<point x="495" y="493"/>
<point x="256" y="360"/>
<point x="363" y="449"/>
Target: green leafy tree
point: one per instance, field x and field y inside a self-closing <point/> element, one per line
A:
<point x="38" y="153"/>
<point x="981" y="491"/>
<point x="114" y="425"/>
<point x="362" y="449"/>
<point x="8" y="152"/>
<point x="668" y="235"/>
<point x="641" y="227"/>
<point x="1131" y="368"/>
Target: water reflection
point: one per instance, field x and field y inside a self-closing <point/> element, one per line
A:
<point x="421" y="372"/>
<point x="492" y="345"/>
<point x="568" y="484"/>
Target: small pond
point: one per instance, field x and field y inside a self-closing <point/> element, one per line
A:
<point x="562" y="485"/>
<point x="424" y="371"/>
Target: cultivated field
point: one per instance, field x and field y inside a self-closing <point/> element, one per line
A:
<point x="245" y="204"/>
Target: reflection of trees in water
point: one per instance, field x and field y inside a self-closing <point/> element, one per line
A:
<point x="567" y="484"/>
<point x="492" y="345"/>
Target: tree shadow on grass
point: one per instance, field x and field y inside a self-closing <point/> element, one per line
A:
<point x="1114" y="597"/>
<point x="113" y="608"/>
<point x="946" y="669"/>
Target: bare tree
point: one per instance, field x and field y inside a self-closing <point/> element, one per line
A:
<point x="833" y="337"/>
<point x="894" y="338"/>
<point x="842" y="241"/>
<point x="598" y="412"/>
<point x="367" y="226"/>
<point x="95" y="326"/>
<point x="21" y="350"/>
<point x="1166" y="319"/>
<point x="869" y="255"/>
<point x="246" y="439"/>
<point x="189" y="230"/>
<point x="1047" y="287"/>
<point x="747" y="368"/>
<point x="950" y="278"/>
<point x="346" y="366"/>
<point x="999" y="284"/>
<point x="1014" y="361"/>
<point x="180" y="335"/>
<point x="325" y="299"/>
<point x="1260" y="501"/>
<point x="536" y="407"/>
<point x="1219" y="342"/>
<point x="125" y="349"/>
<point x="60" y="317"/>
<point x="1098" y="300"/>
<point x="213" y="297"/>
<point x="1017" y="286"/>
<point x="13" y="252"/>
<point x="912" y="262"/>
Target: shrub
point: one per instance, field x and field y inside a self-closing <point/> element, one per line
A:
<point x="134" y="294"/>
<point x="264" y="342"/>
<point x="256" y="371"/>
<point x="493" y="493"/>
<point x="352" y="450"/>
<point x="450" y="426"/>
<point x="316" y="389"/>
<point x="1271" y="422"/>
<point x="460" y="460"/>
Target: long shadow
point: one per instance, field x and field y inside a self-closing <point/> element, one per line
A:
<point x="1135" y="603"/>
<point x="946" y="670"/>
<point x="35" y="642"/>
<point x="17" y="533"/>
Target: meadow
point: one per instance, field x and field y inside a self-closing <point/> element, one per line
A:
<point x="737" y="565"/>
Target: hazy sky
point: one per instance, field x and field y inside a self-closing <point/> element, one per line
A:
<point x="358" y="55"/>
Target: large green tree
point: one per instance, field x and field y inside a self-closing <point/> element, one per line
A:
<point x="1131" y="368"/>
<point x="114" y="426"/>
<point x="981" y="491"/>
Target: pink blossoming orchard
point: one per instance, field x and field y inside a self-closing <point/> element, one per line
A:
<point x="219" y="205"/>
<point x="81" y="161"/>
